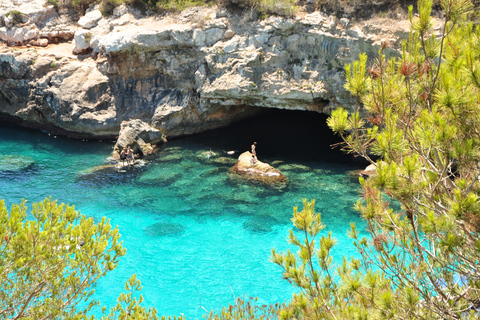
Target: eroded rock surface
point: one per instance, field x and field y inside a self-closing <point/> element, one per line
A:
<point x="138" y="135"/>
<point x="180" y="74"/>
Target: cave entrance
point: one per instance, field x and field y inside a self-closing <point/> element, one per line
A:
<point x="288" y="134"/>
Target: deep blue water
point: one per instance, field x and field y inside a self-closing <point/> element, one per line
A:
<point x="194" y="238"/>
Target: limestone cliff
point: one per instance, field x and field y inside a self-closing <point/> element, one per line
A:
<point x="181" y="74"/>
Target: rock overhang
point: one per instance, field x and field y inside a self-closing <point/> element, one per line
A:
<point x="186" y="77"/>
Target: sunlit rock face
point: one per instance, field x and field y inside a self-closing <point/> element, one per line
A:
<point x="138" y="135"/>
<point x="252" y="170"/>
<point x="180" y="74"/>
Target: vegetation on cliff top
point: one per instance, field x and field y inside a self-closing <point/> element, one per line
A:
<point x="262" y="7"/>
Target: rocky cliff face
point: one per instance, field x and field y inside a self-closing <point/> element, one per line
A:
<point x="180" y="74"/>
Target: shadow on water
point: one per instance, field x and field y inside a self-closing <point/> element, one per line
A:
<point x="109" y="174"/>
<point x="162" y="229"/>
<point x="261" y="223"/>
<point x="42" y="141"/>
<point x="17" y="167"/>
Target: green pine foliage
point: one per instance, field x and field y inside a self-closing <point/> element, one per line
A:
<point x="129" y="306"/>
<point x="263" y="8"/>
<point x="51" y="259"/>
<point x="419" y="114"/>
<point x="50" y="262"/>
<point x="246" y="310"/>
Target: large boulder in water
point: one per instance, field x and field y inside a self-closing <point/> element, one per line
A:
<point x="140" y="136"/>
<point x="257" y="172"/>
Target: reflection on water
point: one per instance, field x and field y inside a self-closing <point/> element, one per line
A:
<point x="193" y="237"/>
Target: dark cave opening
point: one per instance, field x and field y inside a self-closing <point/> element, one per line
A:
<point x="287" y="134"/>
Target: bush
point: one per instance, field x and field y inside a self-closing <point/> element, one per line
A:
<point x="82" y="5"/>
<point x="51" y="258"/>
<point x="53" y="3"/>
<point x="107" y="6"/>
<point x="263" y="7"/>
<point x="276" y="7"/>
<point x="88" y="37"/>
<point x="16" y="15"/>
<point x="178" y="5"/>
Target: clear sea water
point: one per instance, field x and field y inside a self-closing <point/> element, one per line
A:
<point x="194" y="238"/>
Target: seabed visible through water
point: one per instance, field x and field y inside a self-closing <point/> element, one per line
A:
<point x="195" y="239"/>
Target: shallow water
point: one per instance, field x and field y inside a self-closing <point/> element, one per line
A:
<point x="194" y="238"/>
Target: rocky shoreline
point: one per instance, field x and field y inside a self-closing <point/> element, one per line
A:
<point x="180" y="74"/>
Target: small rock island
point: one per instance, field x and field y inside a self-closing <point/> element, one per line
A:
<point x="258" y="172"/>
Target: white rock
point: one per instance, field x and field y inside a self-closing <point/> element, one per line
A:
<point x="262" y="38"/>
<point x="293" y="42"/>
<point x="31" y="34"/>
<point x="90" y="19"/>
<point x="39" y="42"/>
<point x="102" y="29"/>
<point x="120" y="10"/>
<point x="8" y="21"/>
<point x="221" y="13"/>
<point x="18" y="35"/>
<point x="282" y="23"/>
<point x="344" y="22"/>
<point x="232" y="44"/>
<point x="200" y="76"/>
<point x="3" y="33"/>
<point x="199" y="37"/>
<point x="213" y="35"/>
<point x="332" y="23"/>
<point x="228" y="34"/>
<point x="122" y="20"/>
<point x="81" y="41"/>
<point x="315" y="18"/>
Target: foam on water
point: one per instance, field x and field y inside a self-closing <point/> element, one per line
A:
<point x="195" y="239"/>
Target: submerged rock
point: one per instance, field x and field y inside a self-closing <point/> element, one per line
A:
<point x="162" y="229"/>
<point x="214" y="157"/>
<point x="257" y="172"/>
<point x="260" y="224"/>
<point x="111" y="173"/>
<point x="15" y="163"/>
<point x="294" y="167"/>
<point x="159" y="175"/>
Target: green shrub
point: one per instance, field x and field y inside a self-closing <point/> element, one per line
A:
<point x="264" y="8"/>
<point x="82" y="5"/>
<point x="141" y="5"/>
<point x="276" y="7"/>
<point x="17" y="16"/>
<point x="179" y="5"/>
<point x="107" y="6"/>
<point x="88" y="37"/>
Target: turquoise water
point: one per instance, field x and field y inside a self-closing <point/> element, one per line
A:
<point x="194" y="238"/>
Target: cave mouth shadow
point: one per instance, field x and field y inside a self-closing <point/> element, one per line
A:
<point x="292" y="135"/>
